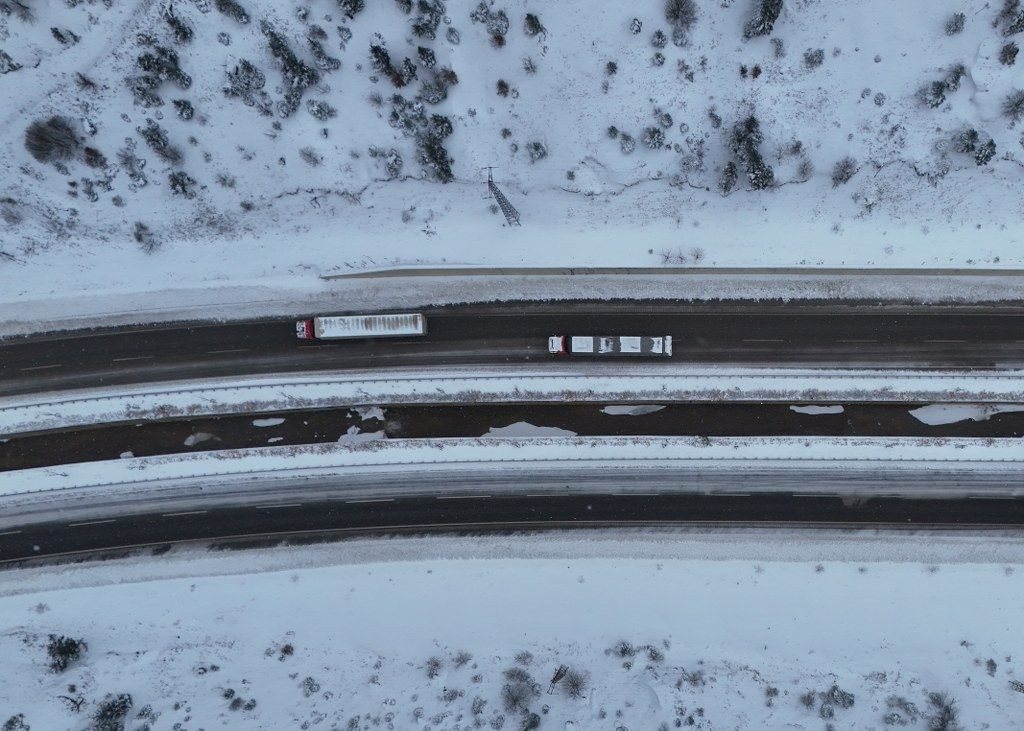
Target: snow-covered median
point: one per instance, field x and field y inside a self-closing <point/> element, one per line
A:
<point x="360" y="456"/>
<point x="746" y="631"/>
<point x="557" y="384"/>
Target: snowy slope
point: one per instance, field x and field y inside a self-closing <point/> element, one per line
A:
<point x="261" y="214"/>
<point x="763" y="630"/>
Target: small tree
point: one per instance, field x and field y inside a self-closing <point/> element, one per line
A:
<point x="955" y="24"/>
<point x="575" y="684"/>
<point x="53" y="140"/>
<point x="654" y="138"/>
<point x="762" y="21"/>
<point x="63" y="651"/>
<point x="532" y="25"/>
<point x="232" y="9"/>
<point x="1008" y="54"/>
<point x="729" y="176"/>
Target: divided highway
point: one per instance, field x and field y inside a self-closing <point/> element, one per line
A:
<point x="503" y="334"/>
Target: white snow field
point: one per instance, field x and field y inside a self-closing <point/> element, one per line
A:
<point x="742" y="631"/>
<point x="179" y="195"/>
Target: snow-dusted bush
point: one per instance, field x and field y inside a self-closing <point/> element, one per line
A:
<point x="944" y="715"/>
<point x="94" y="158"/>
<point x="746" y="137"/>
<point x="727" y="181"/>
<point x="502" y="88"/>
<point x="145" y="238"/>
<point x="63" y="651"/>
<point x="435" y="89"/>
<point x="404" y="5"/>
<point x="843" y="171"/>
<point x="536" y="150"/>
<point x="658" y="59"/>
<point x="52" y="140"/>
<point x="611" y="68"/>
<point x="955" y="24"/>
<point x="184" y="109"/>
<point x="156" y="137"/>
<point x="1011" y="17"/>
<point x="626" y="143"/>
<point x="323" y="60"/>
<point x="762" y="19"/>
<point x="246" y="82"/>
<point x="297" y="75"/>
<point x="1008" y="54"/>
<point x="954" y="75"/>
<point x="321" y="110"/>
<point x="529" y="66"/>
<point x="427" y="57"/>
<point x="659" y="39"/>
<point x="1013" y="105"/>
<point x="351" y="8"/>
<point x="654" y="138"/>
<point x="163" y="63"/>
<point x="932" y="94"/>
<point x="969" y="142"/>
<point x="181" y="184"/>
<point x="232" y="9"/>
<point x="182" y="31"/>
<point x="814" y="57"/>
<point x="532" y="25"/>
<point x="111" y="713"/>
<point x="681" y="13"/>
<point x="517" y="695"/>
<point x="430" y="15"/>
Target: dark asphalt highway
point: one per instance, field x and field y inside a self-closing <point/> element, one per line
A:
<point x="320" y="426"/>
<point x="947" y="337"/>
<point x="252" y="525"/>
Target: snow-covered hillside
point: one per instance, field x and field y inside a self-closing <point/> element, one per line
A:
<point x="653" y="631"/>
<point x="221" y="142"/>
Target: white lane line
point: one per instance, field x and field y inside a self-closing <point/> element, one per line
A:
<point x="461" y="497"/>
<point x="229" y="350"/>
<point x="382" y="500"/>
<point x="187" y="512"/>
<point x="945" y="341"/>
<point x="856" y="341"/>
<point x="10" y="533"/>
<point x="757" y="340"/>
<point x="633" y="494"/>
<point x="92" y="522"/>
<point x="39" y="368"/>
<point x="286" y="505"/>
<point x="134" y="357"/>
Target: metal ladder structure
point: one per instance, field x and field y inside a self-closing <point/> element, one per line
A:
<point x="511" y="214"/>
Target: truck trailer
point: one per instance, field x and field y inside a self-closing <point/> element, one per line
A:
<point x="339" y="327"/>
<point x="598" y="345"/>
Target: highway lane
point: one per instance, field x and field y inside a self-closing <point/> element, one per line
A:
<point x="324" y="426"/>
<point x="318" y="520"/>
<point x="870" y="336"/>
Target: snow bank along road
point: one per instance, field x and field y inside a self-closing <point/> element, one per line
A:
<point x="766" y="333"/>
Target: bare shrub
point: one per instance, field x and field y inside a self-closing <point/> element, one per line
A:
<point x="53" y="140"/>
<point x="111" y="713"/>
<point x="681" y="13"/>
<point x="1008" y="54"/>
<point x="1013" y="105"/>
<point x="434" y="665"/>
<point x="843" y="171"/>
<point x="156" y="137"/>
<point x="944" y="715"/>
<point x="145" y="238"/>
<point x="814" y="57"/>
<point x="532" y="25"/>
<point x="575" y="683"/>
<point x="232" y="9"/>
<point x="955" y="24"/>
<point x="63" y="651"/>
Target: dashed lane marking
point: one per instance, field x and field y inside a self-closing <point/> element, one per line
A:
<point x="92" y="522"/>
<point x="187" y="512"/>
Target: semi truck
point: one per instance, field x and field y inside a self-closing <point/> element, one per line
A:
<point x="598" y="345"/>
<point x="339" y="327"/>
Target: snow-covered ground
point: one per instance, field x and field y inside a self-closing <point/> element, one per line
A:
<point x="731" y="630"/>
<point x="635" y="384"/>
<point x="270" y="201"/>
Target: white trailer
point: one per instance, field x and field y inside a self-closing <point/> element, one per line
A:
<point x="337" y="327"/>
<point x="610" y="345"/>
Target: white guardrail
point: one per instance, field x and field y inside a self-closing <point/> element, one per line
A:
<point x="593" y="383"/>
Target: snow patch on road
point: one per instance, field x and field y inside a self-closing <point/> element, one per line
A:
<point x="939" y="414"/>
<point x="525" y="429"/>
<point x="630" y="410"/>
<point x="198" y="438"/>
<point x="262" y="423"/>
<point x="816" y="410"/>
